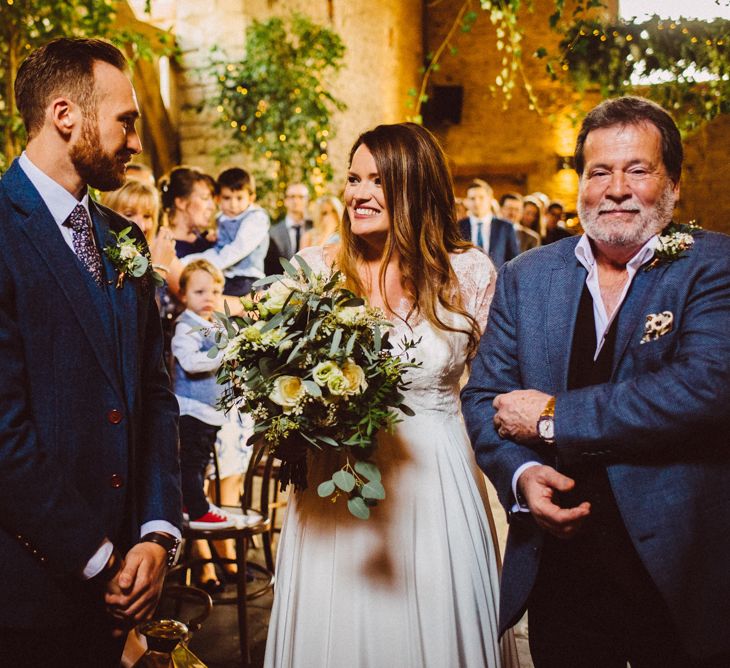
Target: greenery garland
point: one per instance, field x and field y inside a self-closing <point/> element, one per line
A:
<point x="276" y="103"/>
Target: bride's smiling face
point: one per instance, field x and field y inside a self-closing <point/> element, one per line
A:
<point x="364" y="196"/>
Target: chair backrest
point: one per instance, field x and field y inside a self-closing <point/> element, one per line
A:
<point x="259" y="466"/>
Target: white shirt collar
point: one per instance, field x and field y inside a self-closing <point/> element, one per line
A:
<point x="60" y="202"/>
<point x="486" y="220"/>
<point x="199" y="319"/>
<point x="584" y="253"/>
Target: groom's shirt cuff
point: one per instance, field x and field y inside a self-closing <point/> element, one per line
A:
<point x="96" y="564"/>
<point x="520" y="505"/>
<point x="160" y="525"/>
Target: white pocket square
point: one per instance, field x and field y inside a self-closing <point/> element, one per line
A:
<point x="657" y="324"/>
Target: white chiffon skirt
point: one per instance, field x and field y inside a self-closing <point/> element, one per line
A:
<point x="415" y="586"/>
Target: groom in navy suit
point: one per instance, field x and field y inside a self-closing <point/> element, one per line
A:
<point x="598" y="406"/>
<point x="89" y="477"/>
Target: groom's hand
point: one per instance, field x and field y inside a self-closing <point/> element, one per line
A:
<point x="133" y="594"/>
<point x="538" y="485"/>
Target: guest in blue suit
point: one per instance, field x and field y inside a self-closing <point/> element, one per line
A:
<point x="89" y="474"/>
<point x="493" y="235"/>
<point x="598" y="406"/>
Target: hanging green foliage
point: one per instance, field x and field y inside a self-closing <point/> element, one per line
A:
<point x="276" y="103"/>
<point x="682" y="65"/>
<point x="26" y="25"/>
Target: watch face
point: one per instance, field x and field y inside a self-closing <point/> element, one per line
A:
<point x="546" y="428"/>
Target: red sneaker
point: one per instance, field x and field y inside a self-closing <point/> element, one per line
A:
<point x="215" y="518"/>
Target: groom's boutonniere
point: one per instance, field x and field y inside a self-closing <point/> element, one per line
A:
<point x="676" y="239"/>
<point x="130" y="258"/>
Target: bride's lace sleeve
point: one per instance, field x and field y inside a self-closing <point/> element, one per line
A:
<point x="477" y="277"/>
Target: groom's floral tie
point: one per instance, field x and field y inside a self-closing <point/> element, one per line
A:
<point x="83" y="242"/>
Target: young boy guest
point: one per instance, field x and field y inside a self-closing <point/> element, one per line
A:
<point x="197" y="391"/>
<point x="243" y="233"/>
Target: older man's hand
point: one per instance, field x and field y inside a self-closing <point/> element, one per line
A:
<point x="538" y="485"/>
<point x="517" y="414"/>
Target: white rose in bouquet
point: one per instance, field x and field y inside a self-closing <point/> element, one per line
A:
<point x="355" y="377"/>
<point x="287" y="391"/>
<point x="275" y="297"/>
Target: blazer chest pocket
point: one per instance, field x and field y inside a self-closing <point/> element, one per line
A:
<point x="653" y="354"/>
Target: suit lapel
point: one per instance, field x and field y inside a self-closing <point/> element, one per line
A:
<point x="282" y="240"/>
<point x="563" y="299"/>
<point x="39" y="226"/>
<point x="124" y="307"/>
<point x="630" y="317"/>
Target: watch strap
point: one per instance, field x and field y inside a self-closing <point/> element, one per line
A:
<point x="169" y="543"/>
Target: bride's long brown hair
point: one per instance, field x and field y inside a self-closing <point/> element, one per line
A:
<point x="419" y="198"/>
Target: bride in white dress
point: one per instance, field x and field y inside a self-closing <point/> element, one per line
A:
<point x="416" y="585"/>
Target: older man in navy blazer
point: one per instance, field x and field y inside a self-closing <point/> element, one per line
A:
<point x="493" y="235"/>
<point x="89" y="476"/>
<point x="598" y="406"/>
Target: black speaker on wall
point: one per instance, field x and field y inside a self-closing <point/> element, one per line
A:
<point x="443" y="106"/>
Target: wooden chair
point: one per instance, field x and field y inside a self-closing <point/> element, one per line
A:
<point x="257" y="523"/>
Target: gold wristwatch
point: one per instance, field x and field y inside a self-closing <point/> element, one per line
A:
<point x="546" y="423"/>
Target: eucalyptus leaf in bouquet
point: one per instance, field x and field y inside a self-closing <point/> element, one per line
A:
<point x="313" y="365"/>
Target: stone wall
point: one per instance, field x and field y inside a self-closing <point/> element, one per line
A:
<point x="705" y="177"/>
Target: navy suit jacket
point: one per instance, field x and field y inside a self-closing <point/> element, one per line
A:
<point x="503" y="244"/>
<point x="88" y="425"/>
<point x="661" y="425"/>
<point x="280" y="246"/>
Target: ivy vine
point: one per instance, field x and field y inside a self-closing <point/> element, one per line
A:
<point x="683" y="63"/>
<point x="685" y="60"/>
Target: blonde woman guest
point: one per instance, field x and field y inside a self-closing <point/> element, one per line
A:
<point x="140" y="203"/>
<point x="326" y="220"/>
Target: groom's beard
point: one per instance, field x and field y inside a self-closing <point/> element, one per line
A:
<point x="97" y="168"/>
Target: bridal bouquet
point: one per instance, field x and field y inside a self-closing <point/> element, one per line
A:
<point x="312" y="364"/>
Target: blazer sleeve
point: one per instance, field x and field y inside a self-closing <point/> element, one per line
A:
<point x="41" y="505"/>
<point x="157" y="450"/>
<point x="494" y="371"/>
<point x="680" y="401"/>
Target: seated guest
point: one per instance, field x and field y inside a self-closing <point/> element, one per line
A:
<point x="328" y="212"/>
<point x="493" y="235"/>
<point x="532" y="214"/>
<point x="139" y="202"/>
<point x="285" y="236"/>
<point x="554" y="231"/>
<point x="188" y="206"/>
<point x="510" y="206"/>
<point x="243" y="233"/>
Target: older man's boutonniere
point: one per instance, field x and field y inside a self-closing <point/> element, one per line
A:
<point x="130" y="258"/>
<point x="675" y="240"/>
